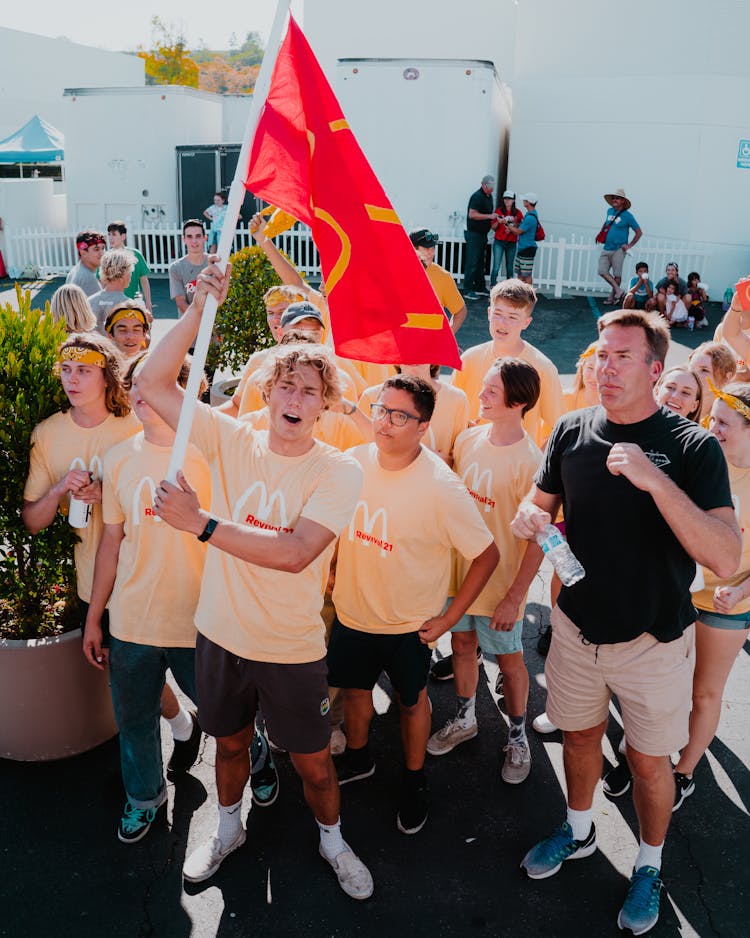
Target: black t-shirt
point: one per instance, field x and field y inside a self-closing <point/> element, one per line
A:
<point x="638" y="575"/>
<point x="480" y="202"/>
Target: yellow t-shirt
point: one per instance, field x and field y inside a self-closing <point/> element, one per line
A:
<point x="739" y="482"/>
<point x="252" y="396"/>
<point x="256" y="361"/>
<point x="450" y="417"/>
<point x="394" y="561"/>
<point x="445" y="287"/>
<point x="498" y="478"/>
<point x="332" y="428"/>
<point x="159" y="569"/>
<point x="539" y="421"/>
<point x="251" y="611"/>
<point x="60" y="445"/>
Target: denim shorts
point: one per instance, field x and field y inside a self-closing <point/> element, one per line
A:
<point x="491" y="641"/>
<point x="719" y="620"/>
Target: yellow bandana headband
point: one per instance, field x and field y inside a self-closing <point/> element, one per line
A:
<point x="127" y="312"/>
<point x="730" y="400"/>
<point x="84" y="356"/>
<point x="276" y="295"/>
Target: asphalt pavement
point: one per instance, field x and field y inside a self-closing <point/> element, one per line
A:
<point x="64" y="873"/>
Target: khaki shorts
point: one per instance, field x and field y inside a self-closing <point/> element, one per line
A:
<point x="613" y="260"/>
<point x="653" y="681"/>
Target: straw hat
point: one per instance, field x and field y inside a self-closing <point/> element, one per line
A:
<point x="618" y="194"/>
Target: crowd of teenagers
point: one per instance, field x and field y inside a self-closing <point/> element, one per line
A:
<point x="335" y="518"/>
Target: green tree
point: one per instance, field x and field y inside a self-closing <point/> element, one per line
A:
<point x="250" y="52"/>
<point x="168" y="61"/>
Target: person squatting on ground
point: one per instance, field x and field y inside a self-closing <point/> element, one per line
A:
<point x="668" y="478"/>
<point x="497" y="463"/>
<point x="392" y="578"/>
<point x="271" y="544"/>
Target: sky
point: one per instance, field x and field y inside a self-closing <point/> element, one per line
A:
<point x="125" y="27"/>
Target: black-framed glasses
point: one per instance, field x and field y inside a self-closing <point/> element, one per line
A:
<point x="399" y="418"/>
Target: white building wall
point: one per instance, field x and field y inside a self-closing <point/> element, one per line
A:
<point x="234" y="117"/>
<point x="120" y="150"/>
<point x="652" y="99"/>
<point x="34" y="70"/>
<point x="440" y="29"/>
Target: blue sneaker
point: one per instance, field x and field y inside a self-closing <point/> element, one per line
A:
<point x="135" y="823"/>
<point x="264" y="779"/>
<point x="640" y="911"/>
<point x="546" y="857"/>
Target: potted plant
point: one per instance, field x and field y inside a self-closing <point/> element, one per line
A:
<point x="52" y="704"/>
<point x="241" y="326"/>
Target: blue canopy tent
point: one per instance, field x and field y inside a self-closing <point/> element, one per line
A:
<point x="35" y="142"/>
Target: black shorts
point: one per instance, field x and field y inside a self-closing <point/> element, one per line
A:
<point x="83" y="611"/>
<point x="293" y="697"/>
<point x="356" y="660"/>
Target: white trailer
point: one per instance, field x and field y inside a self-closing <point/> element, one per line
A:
<point x="430" y="128"/>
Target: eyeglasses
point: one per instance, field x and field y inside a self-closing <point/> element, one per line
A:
<point x="397" y="418"/>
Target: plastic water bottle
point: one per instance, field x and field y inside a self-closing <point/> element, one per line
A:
<point x="557" y="549"/>
<point x="79" y="513"/>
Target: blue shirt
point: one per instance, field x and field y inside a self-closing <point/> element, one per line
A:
<point x="528" y="231"/>
<point x="641" y="291"/>
<point x="617" y="235"/>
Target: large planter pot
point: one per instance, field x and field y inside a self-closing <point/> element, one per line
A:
<point x="53" y="704"/>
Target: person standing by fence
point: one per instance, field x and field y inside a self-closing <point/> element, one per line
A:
<point x="478" y="218"/>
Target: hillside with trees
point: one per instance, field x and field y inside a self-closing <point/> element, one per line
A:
<point x="169" y="62"/>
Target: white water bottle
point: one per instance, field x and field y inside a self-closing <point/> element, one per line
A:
<point x="79" y="513"/>
<point x="557" y="549"/>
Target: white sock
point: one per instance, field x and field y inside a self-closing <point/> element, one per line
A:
<point x="466" y="710"/>
<point x="230" y="822"/>
<point x="331" y="841"/>
<point x="580" y="822"/>
<point x="181" y="725"/>
<point x="648" y="855"/>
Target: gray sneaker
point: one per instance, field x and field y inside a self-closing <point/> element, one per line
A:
<point x="353" y="876"/>
<point x="517" y="764"/>
<point x="206" y="860"/>
<point x="450" y="736"/>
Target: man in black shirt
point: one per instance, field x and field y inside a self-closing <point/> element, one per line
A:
<point x="479" y="217"/>
<point x="646" y="496"/>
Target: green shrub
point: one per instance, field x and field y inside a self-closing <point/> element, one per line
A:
<point x="241" y="325"/>
<point x="37" y="575"/>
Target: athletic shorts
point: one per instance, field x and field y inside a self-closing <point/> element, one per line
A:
<point x="525" y="261"/>
<point x="611" y="260"/>
<point x="492" y="642"/>
<point x="719" y="620"/>
<point x="293" y="697"/>
<point x="356" y="660"/>
<point x="653" y="681"/>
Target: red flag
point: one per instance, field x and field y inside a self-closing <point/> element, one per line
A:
<point x="305" y="160"/>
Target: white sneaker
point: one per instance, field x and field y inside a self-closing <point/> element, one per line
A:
<point x="353" y="876"/>
<point x="450" y="736"/>
<point x="338" y="741"/>
<point x="517" y="764"/>
<point x="543" y="724"/>
<point x="206" y="860"/>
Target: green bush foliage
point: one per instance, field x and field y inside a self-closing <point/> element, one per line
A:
<point x="37" y="575"/>
<point x="241" y="326"/>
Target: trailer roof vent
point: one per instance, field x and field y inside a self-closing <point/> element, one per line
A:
<point x="411" y="74"/>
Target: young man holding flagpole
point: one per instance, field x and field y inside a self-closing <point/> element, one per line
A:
<point x="279" y="499"/>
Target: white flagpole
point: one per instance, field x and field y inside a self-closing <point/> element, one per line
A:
<point x="234" y="204"/>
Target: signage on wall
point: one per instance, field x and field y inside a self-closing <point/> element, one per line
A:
<point x="743" y="155"/>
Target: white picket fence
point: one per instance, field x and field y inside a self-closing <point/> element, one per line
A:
<point x="562" y="263"/>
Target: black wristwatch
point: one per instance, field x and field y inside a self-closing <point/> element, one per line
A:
<point x="209" y="529"/>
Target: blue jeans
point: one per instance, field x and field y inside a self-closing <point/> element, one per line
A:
<point x="476" y="245"/>
<point x="137" y="674"/>
<point x="500" y="250"/>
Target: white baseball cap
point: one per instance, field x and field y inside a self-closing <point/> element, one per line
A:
<point x="530" y="197"/>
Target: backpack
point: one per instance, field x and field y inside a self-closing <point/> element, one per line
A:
<point x="539" y="235"/>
